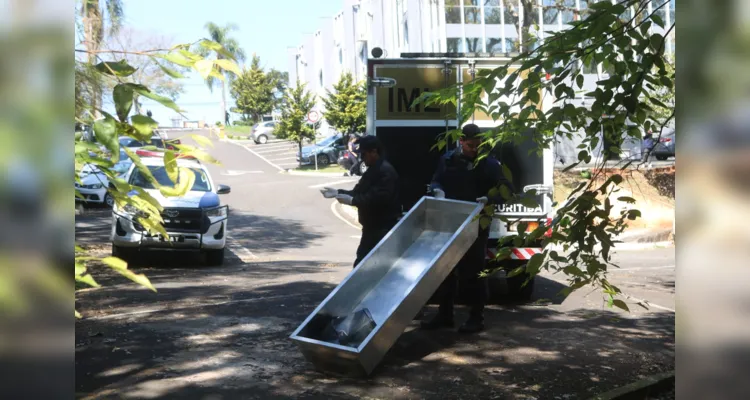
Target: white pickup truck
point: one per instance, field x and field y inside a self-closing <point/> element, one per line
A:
<point x="194" y="222"/>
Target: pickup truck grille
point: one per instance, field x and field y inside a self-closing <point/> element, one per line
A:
<point x="184" y="220"/>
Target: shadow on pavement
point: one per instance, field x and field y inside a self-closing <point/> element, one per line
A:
<point x="242" y="349"/>
<point x="270" y="235"/>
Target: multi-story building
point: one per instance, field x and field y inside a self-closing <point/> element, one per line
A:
<point x="343" y="42"/>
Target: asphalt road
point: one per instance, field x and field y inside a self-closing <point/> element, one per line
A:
<point x="223" y="332"/>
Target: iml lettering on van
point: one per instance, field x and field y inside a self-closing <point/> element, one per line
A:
<point x="405" y="101"/>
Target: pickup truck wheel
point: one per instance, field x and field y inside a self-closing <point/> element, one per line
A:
<point x="517" y="290"/>
<point x="215" y="257"/>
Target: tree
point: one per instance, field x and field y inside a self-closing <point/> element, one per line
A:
<point x="346" y="107"/>
<point x="293" y="125"/>
<point x="253" y="92"/>
<point x="220" y="35"/>
<point x="520" y="99"/>
<point x="99" y="65"/>
<point x="98" y="19"/>
<point x="150" y="71"/>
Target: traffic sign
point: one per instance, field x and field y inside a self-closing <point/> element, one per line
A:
<point x="313" y="117"/>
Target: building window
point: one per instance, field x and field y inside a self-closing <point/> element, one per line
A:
<point x="550" y="11"/>
<point x="473" y="45"/>
<point x="495" y="45"/>
<point x="454" y="45"/>
<point x="492" y="12"/>
<point x="660" y="9"/>
<point x="320" y="77"/>
<point x="511" y="45"/>
<point x="341" y="56"/>
<point x="569" y="11"/>
<point x="406" y="35"/>
<point x="452" y="11"/>
<point x="472" y="12"/>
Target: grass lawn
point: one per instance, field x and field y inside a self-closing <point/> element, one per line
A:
<point x="237" y="130"/>
<point x="328" y="168"/>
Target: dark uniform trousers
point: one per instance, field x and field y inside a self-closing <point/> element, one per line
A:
<point x="370" y="238"/>
<point x="467" y="272"/>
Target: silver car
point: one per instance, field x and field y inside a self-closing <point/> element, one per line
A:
<point x="262" y="131"/>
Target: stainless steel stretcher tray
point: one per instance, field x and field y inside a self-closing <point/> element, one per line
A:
<point x="393" y="282"/>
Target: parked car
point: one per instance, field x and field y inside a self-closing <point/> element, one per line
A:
<point x="666" y="146"/>
<point x="196" y="221"/>
<point x="327" y="151"/>
<point x="261" y="132"/>
<point x="93" y="182"/>
<point x="157" y="139"/>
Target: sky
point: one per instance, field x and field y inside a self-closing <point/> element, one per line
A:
<point x="266" y="28"/>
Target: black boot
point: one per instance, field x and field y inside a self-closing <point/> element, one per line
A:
<point x="474" y="324"/>
<point x="441" y="320"/>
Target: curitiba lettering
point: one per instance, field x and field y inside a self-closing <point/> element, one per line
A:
<point x="405" y="102"/>
<point x="517" y="208"/>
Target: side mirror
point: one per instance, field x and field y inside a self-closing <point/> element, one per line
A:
<point x="223" y="189"/>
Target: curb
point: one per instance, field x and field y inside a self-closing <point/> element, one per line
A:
<point x="350" y="213"/>
<point x="642" y="389"/>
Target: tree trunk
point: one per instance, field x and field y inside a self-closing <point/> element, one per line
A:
<point x="223" y="102"/>
<point x="300" y="151"/>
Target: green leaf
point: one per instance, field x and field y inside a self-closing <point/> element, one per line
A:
<point x="105" y="131"/>
<point x="122" y="268"/>
<point x="579" y="81"/>
<point x="123" y="98"/>
<point x="534" y="264"/>
<point x="620" y="304"/>
<point x="582" y="155"/>
<point x="170" y="165"/>
<point x="145" y="92"/>
<point x="529" y="202"/>
<point x="120" y="68"/>
<point x="626" y="199"/>
<point x="516" y="271"/>
<point x="505" y="192"/>
<point x="204" y="67"/>
<point x="229" y="65"/>
<point x="169" y="71"/>
<point x="219" y="49"/>
<point x="657" y="20"/>
<point x="633" y="214"/>
<point x="144" y="124"/>
<point x="507" y="174"/>
<point x="202" y="140"/>
<point x="185" y="181"/>
<point x="179" y="59"/>
<point x="87" y="279"/>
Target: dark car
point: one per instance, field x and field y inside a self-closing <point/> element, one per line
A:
<point x="666" y="146"/>
<point x="327" y="151"/>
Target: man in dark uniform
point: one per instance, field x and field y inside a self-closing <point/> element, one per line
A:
<point x="460" y="177"/>
<point x="375" y="196"/>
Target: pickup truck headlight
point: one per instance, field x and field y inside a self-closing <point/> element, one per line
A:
<point x="217" y="212"/>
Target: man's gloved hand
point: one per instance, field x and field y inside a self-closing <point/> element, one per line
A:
<point x="439" y="193"/>
<point x="329" y="193"/>
<point x="344" y="199"/>
<point x="483" y="200"/>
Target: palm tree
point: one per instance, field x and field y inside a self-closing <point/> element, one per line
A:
<point x="97" y="18"/>
<point x="221" y="36"/>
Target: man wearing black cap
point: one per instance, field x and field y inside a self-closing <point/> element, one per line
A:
<point x="375" y="196"/>
<point x="459" y="176"/>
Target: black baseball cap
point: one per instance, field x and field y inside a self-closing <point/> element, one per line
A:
<point x="470" y="131"/>
<point x="368" y="142"/>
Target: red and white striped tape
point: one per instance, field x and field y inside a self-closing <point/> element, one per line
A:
<point x="517" y="253"/>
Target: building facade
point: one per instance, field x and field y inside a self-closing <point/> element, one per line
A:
<point x="343" y="42"/>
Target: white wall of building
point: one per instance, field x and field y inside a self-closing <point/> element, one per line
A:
<point x="345" y="40"/>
